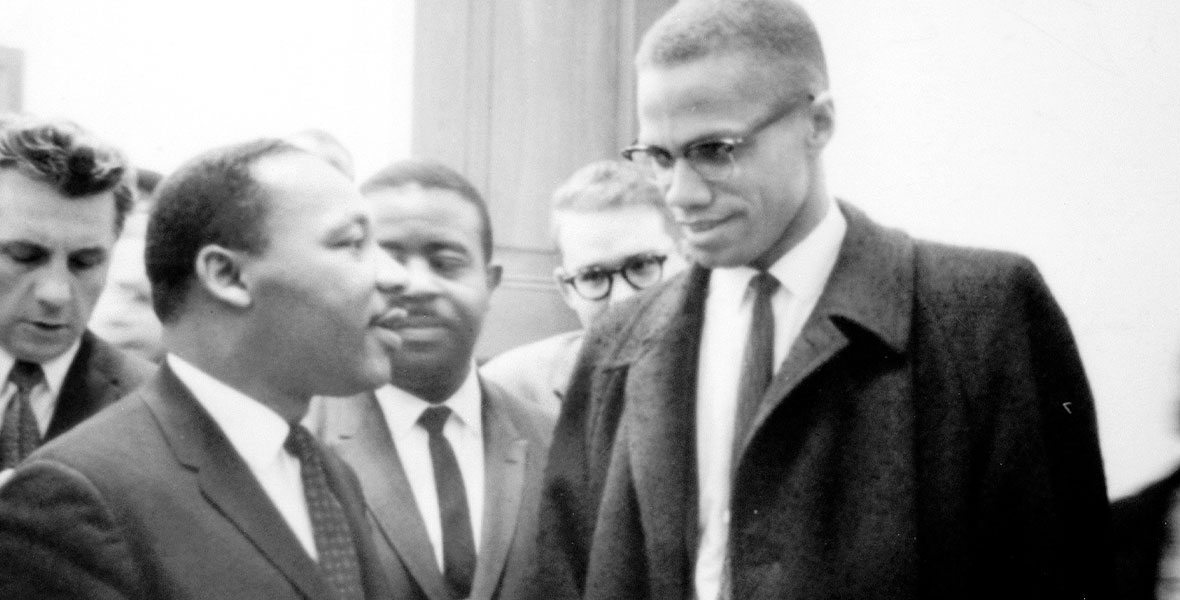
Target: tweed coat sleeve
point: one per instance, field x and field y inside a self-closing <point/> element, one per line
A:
<point x="58" y="539"/>
<point x="577" y="463"/>
<point x="1008" y="438"/>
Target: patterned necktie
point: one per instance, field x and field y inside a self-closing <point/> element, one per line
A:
<point x="19" y="434"/>
<point x="333" y="538"/>
<point x="458" y="541"/>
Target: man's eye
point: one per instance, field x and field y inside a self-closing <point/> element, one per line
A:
<point x="447" y="263"/>
<point x="86" y="260"/>
<point x="593" y="276"/>
<point x="25" y="254"/>
<point x="710" y="152"/>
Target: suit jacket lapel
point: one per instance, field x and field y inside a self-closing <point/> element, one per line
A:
<point x="365" y="443"/>
<point x="661" y="399"/>
<point x="90" y="382"/>
<point x="228" y="483"/>
<point x="505" y="455"/>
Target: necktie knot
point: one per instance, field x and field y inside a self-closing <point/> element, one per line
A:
<point x="300" y="444"/>
<point x="434" y="419"/>
<point x="26" y="375"/>
<point x="764" y="284"/>
<point x="332" y="534"/>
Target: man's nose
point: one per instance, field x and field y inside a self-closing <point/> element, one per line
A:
<point x="54" y="284"/>
<point x="685" y="187"/>
<point x="392" y="276"/>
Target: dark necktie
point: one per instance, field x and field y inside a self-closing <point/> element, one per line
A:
<point x="19" y="434"/>
<point x="333" y="538"/>
<point x="757" y="361"/>
<point x="757" y="368"/>
<point x="458" y="542"/>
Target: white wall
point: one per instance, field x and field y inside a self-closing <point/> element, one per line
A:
<point x="1049" y="127"/>
<point x="167" y="79"/>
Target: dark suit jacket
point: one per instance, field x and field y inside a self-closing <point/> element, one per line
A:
<point x="149" y="501"/>
<point x="516" y="439"/>
<point x="930" y="435"/>
<point x="99" y="375"/>
<point x="1140" y="536"/>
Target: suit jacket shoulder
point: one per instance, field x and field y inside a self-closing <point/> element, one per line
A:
<point x="148" y="499"/>
<point x="1140" y="526"/>
<point x="538" y="372"/>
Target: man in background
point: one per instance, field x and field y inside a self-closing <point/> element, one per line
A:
<point x="63" y="201"/>
<point x="123" y="315"/>
<point x="614" y="237"/>
<point x="450" y="464"/>
<point x="326" y="146"/>
<point x="821" y="407"/>
<point x="203" y="483"/>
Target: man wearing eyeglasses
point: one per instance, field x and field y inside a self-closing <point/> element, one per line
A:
<point x="615" y="237"/>
<point x="820" y="407"/>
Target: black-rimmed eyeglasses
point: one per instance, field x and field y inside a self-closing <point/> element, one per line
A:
<point x="639" y="271"/>
<point x="712" y="159"/>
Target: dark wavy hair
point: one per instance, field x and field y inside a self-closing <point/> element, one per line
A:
<point x="213" y="198"/>
<point x="67" y="157"/>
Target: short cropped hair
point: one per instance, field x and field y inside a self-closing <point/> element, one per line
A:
<point x="609" y="185"/>
<point x="430" y="174"/>
<point x="778" y="33"/>
<point x="213" y="198"/>
<point x="67" y="157"/>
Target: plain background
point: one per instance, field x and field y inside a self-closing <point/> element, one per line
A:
<point x="1047" y="127"/>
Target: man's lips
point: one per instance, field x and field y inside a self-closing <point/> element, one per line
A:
<point x="48" y="325"/>
<point x="702" y="225"/>
<point x="393" y="318"/>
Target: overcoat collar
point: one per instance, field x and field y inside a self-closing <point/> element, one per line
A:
<point x="868" y="296"/>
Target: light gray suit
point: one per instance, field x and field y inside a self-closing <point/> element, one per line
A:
<point x="516" y="442"/>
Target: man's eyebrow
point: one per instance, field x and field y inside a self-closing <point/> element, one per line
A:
<point x="361" y="221"/>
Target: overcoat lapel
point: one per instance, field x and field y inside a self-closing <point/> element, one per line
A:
<point x="870" y="288"/>
<point x="661" y="397"/>
<point x="505" y="457"/>
<point x="227" y="483"/>
<point x="370" y="450"/>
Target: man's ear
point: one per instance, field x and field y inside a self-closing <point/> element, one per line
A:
<point x="219" y="270"/>
<point x="558" y="276"/>
<point x="494" y="274"/>
<point x="823" y="122"/>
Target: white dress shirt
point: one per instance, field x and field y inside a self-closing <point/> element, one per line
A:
<point x="257" y="433"/>
<point x="802" y="274"/>
<point x="464" y="431"/>
<point x="43" y="398"/>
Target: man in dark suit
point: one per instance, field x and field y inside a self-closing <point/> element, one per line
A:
<point x="450" y="464"/>
<point x="63" y="200"/>
<point x="202" y="484"/>
<point x="820" y="407"/>
<point x="1146" y="551"/>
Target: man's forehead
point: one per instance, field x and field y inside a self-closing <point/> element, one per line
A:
<point x="35" y="212"/>
<point x="695" y="99"/>
<point x="607" y="238"/>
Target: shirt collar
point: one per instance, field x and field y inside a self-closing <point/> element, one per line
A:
<point x="403" y="409"/>
<point x="254" y="430"/>
<point x="54" y="369"/>
<point x="803" y="271"/>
